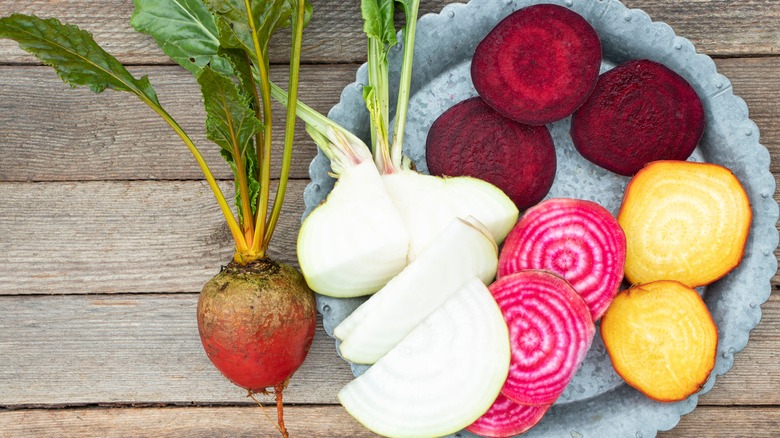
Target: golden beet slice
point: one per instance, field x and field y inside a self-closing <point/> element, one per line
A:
<point x="684" y="221"/>
<point x="661" y="339"/>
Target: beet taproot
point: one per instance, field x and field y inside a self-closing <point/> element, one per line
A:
<point x="537" y="65"/>
<point x="472" y="139"/>
<point x="550" y="331"/>
<point x="507" y="418"/>
<point x="256" y="324"/>
<point x="661" y="339"/>
<point x="684" y="221"/>
<point x="578" y="239"/>
<point x="640" y="111"/>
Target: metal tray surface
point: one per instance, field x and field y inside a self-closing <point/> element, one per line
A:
<point x="597" y="403"/>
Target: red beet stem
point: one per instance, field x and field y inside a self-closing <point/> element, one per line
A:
<point x="550" y="332"/>
<point x="472" y="139"/>
<point x="580" y="240"/>
<point x="506" y="418"/>
<point x="639" y="112"/>
<point x="538" y="65"/>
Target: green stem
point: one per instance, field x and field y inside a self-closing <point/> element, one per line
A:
<point x="264" y="158"/>
<point x="235" y="229"/>
<point x="404" y="88"/>
<point x="289" y="133"/>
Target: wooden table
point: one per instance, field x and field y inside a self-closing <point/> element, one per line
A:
<point x="107" y="233"/>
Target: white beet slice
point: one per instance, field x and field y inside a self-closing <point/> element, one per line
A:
<point x="443" y="376"/>
<point x="462" y="251"/>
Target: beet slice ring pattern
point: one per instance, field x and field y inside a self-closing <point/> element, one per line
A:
<point x="507" y="418"/>
<point x="550" y="331"/>
<point x="639" y="112"/>
<point x="538" y="65"/>
<point x="473" y="139"/>
<point x="578" y="239"/>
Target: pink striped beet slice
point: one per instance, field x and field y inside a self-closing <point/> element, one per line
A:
<point x="578" y="239"/>
<point x="550" y="331"/>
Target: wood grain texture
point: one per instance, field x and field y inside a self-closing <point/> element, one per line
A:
<point x="308" y="421"/>
<point x="198" y="422"/>
<point x="144" y="349"/>
<point x="130" y="349"/>
<point x="716" y="27"/>
<point x="49" y="132"/>
<point x="105" y="237"/>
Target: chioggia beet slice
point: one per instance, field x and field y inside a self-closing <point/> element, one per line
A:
<point x="661" y="339"/>
<point x="442" y="376"/>
<point x="639" y="112"/>
<point x="506" y="418"/>
<point x="684" y="221"/>
<point x="550" y="331"/>
<point x="538" y="65"/>
<point x="472" y="139"/>
<point x="577" y="239"/>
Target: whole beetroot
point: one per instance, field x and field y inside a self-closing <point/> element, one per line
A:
<point x="256" y="323"/>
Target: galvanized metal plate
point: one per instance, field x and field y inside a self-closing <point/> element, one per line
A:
<point x="597" y="402"/>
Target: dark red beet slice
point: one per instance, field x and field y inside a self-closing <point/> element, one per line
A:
<point x="472" y="139"/>
<point x="577" y="239"/>
<point x="506" y="418"/>
<point x="639" y="112"/>
<point x="550" y="331"/>
<point x="538" y="65"/>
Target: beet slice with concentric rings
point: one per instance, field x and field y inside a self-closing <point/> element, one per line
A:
<point x="537" y="65"/>
<point x="507" y="418"/>
<point x="640" y="111"/>
<point x="550" y="331"/>
<point x="578" y="239"/>
<point x="472" y="139"/>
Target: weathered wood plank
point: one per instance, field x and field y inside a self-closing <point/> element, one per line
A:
<point x="65" y="350"/>
<point x="139" y="236"/>
<point x="205" y="422"/>
<point x="49" y="132"/>
<point x="308" y="421"/>
<point x="335" y="33"/>
<point x="130" y="349"/>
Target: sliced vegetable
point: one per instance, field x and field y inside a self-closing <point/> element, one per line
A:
<point x="661" y="339"/>
<point x="507" y="418"/>
<point x="442" y="376"/>
<point x="356" y="241"/>
<point x="550" y="331"/>
<point x="538" y="65"/>
<point x="464" y="250"/>
<point x="577" y="239"/>
<point x="429" y="204"/>
<point x="472" y="139"/>
<point x="639" y="112"/>
<point x="684" y="221"/>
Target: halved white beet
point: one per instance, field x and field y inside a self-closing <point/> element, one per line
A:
<point x="427" y="204"/>
<point x="462" y="251"/>
<point x="443" y="376"/>
<point x="356" y="241"/>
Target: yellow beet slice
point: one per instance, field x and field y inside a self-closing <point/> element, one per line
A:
<point x="661" y="339"/>
<point x="684" y="221"/>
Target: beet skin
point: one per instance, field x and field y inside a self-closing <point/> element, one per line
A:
<point x="472" y="139"/>
<point x="257" y="323"/>
<point x="538" y="65"/>
<point x="639" y="112"/>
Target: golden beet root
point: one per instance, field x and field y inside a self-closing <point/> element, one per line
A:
<point x="684" y="221"/>
<point x="661" y="339"/>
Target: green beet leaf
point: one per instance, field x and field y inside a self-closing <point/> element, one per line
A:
<point x="231" y="123"/>
<point x="185" y="30"/>
<point x="74" y="54"/>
